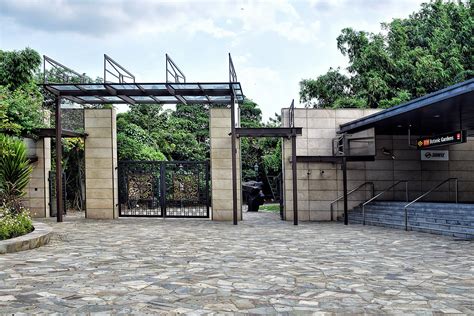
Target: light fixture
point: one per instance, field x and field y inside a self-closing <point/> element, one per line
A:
<point x="437" y="116"/>
<point x="399" y="125"/>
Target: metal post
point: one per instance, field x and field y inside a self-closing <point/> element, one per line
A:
<point x="163" y="189"/>
<point x="295" y="180"/>
<point x="363" y="214"/>
<point x="206" y="165"/>
<point x="406" y="219"/>
<point x="406" y="190"/>
<point x="332" y="212"/>
<point x="59" y="174"/>
<point x="456" y="186"/>
<point x="344" y="188"/>
<point x="234" y="159"/>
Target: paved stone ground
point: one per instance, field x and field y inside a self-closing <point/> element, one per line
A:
<point x="263" y="266"/>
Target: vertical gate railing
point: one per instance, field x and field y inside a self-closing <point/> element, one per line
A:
<point x="164" y="189"/>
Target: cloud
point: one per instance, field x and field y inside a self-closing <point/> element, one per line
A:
<point x="219" y="19"/>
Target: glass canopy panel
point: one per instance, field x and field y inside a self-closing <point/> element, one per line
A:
<point x="153" y="86"/>
<point x="184" y="86"/>
<point x="90" y="99"/>
<point x="219" y="98"/>
<point x="92" y="87"/>
<point x="124" y="86"/>
<point x="65" y="87"/>
<point x="113" y="99"/>
<point x="142" y="98"/>
<point x="195" y="98"/>
<point x="219" y="86"/>
<point x="166" y="99"/>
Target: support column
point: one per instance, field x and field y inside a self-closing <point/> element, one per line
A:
<point x="223" y="201"/>
<point x="295" y="177"/>
<point x="59" y="167"/>
<point x="344" y="188"/>
<point x="101" y="163"/>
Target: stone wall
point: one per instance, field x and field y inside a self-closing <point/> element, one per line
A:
<point x="37" y="192"/>
<point x="101" y="163"/>
<point x="221" y="166"/>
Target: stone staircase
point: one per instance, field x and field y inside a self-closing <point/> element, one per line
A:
<point x="448" y="219"/>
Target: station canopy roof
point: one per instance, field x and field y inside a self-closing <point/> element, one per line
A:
<point x="443" y="111"/>
<point x="148" y="93"/>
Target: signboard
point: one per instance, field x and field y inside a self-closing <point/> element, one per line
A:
<point x="435" y="155"/>
<point x="442" y="140"/>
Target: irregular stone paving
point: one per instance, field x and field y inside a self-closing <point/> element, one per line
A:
<point x="262" y="266"/>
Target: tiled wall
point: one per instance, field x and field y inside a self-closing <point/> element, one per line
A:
<point x="221" y="166"/>
<point x="101" y="163"/>
<point x="37" y="192"/>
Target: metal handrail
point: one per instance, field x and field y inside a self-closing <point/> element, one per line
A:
<point x="348" y="193"/>
<point x="376" y="196"/>
<point x="428" y="192"/>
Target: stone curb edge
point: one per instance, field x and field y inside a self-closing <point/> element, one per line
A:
<point x="37" y="238"/>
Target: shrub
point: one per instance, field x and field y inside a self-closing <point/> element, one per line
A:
<point x="14" y="223"/>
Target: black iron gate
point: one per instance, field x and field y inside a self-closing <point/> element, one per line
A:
<point x="164" y="188"/>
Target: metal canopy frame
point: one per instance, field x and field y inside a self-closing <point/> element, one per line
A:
<point x="120" y="87"/>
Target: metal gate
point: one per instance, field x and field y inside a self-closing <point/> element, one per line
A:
<point x="164" y="188"/>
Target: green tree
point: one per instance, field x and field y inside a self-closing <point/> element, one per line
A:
<point x="18" y="67"/>
<point x="429" y="50"/>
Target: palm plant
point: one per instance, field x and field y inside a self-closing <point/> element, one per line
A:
<point x="15" y="170"/>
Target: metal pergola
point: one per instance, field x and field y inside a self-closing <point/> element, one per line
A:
<point x="120" y="87"/>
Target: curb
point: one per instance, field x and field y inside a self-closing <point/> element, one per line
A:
<point x="37" y="238"/>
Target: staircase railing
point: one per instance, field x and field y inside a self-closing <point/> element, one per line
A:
<point x="428" y="192"/>
<point x="381" y="193"/>
<point x="349" y="193"/>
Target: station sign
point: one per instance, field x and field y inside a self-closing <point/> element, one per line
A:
<point x="442" y="140"/>
<point x="435" y="155"/>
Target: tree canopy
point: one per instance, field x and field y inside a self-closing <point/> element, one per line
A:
<point x="431" y="49"/>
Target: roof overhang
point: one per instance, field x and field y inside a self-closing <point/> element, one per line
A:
<point x="443" y="111"/>
<point x="149" y="93"/>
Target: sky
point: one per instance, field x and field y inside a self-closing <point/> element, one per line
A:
<point x="274" y="43"/>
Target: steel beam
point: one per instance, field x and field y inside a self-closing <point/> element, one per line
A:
<point x="268" y="132"/>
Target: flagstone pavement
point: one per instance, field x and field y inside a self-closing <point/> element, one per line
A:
<point x="261" y="266"/>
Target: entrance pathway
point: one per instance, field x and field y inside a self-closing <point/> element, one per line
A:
<point x="261" y="266"/>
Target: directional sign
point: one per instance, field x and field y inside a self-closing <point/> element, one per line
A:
<point x="435" y="155"/>
<point x="442" y="140"/>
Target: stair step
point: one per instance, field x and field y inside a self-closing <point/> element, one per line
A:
<point x="428" y="220"/>
<point x="416" y="228"/>
<point x="422" y="224"/>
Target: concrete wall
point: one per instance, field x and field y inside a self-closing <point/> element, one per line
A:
<point x="37" y="192"/>
<point x="221" y="166"/>
<point x="101" y="163"/>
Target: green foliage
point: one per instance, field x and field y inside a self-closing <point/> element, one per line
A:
<point x="15" y="169"/>
<point x="431" y="49"/>
<point x="134" y="143"/>
<point x="14" y="224"/>
<point x="18" y="67"/>
<point x="21" y="109"/>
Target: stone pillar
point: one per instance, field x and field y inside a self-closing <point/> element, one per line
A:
<point x="221" y="166"/>
<point x="37" y="192"/>
<point x="101" y="163"/>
